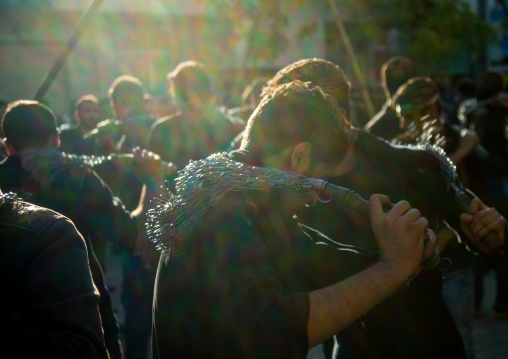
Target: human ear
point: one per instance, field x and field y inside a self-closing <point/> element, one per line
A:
<point x="300" y="157"/>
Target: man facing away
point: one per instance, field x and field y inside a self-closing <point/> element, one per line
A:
<point x="239" y="277"/>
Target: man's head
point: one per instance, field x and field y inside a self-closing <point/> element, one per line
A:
<point x="489" y="85"/>
<point x="190" y="85"/>
<point x="87" y="112"/>
<point x="417" y="100"/>
<point x="126" y="95"/>
<point x="325" y="74"/>
<point x="29" y="124"/>
<point x="395" y="72"/>
<point x="298" y="127"/>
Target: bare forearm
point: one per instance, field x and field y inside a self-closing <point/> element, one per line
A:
<point x="335" y="307"/>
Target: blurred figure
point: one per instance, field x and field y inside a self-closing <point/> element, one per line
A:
<point x="489" y="119"/>
<point x="87" y="116"/>
<point x="465" y="96"/>
<point x="200" y="127"/>
<point x="49" y="301"/>
<point x="251" y="96"/>
<point x="419" y="106"/>
<point x="394" y="72"/>
<point x="131" y="122"/>
<point x="38" y="171"/>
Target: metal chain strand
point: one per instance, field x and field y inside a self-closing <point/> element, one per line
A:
<point x="201" y="184"/>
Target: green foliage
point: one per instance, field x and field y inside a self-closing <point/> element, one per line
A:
<point x="433" y="31"/>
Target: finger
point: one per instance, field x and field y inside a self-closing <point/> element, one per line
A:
<point x="494" y="226"/>
<point x="376" y="202"/>
<point x="480" y="222"/>
<point x="400" y="208"/>
<point x="422" y="223"/>
<point x="412" y="215"/>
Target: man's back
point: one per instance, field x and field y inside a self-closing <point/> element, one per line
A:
<point x="49" y="302"/>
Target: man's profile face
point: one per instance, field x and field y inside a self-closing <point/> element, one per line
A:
<point x="89" y="114"/>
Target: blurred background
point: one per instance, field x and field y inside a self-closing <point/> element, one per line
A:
<point x="238" y="40"/>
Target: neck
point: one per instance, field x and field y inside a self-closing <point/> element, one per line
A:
<point x="348" y="163"/>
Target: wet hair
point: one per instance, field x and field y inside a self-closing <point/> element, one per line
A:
<point x="28" y="124"/>
<point x="489" y="85"/>
<point x="325" y="74"/>
<point x="298" y="112"/>
<point x="396" y="71"/>
<point x="128" y="90"/>
<point x="190" y="77"/>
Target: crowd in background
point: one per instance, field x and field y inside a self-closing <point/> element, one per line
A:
<point x="80" y="171"/>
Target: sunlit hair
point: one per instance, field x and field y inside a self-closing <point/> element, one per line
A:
<point x="83" y="99"/>
<point x="188" y="79"/>
<point x="28" y="124"/>
<point x="253" y="90"/>
<point x="417" y="93"/>
<point x="396" y="71"/>
<point x="489" y="85"/>
<point x="128" y="90"/>
<point x="322" y="73"/>
<point x="298" y="112"/>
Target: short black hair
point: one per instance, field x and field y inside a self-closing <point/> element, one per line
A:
<point x="325" y="74"/>
<point x="298" y="112"/>
<point x="28" y="124"/>
<point x="128" y="90"/>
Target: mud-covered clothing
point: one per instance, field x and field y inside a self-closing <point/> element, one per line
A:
<point x="48" y="299"/>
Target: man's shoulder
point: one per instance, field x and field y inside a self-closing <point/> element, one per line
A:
<point x="25" y="216"/>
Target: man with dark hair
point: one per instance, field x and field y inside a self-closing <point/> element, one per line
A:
<point x="394" y="72"/>
<point x="200" y="127"/>
<point x="49" y="301"/>
<point x="369" y="165"/>
<point x="87" y="116"/>
<point x="132" y="121"/>
<point x="489" y="119"/>
<point x="238" y="277"/>
<point x="39" y="172"/>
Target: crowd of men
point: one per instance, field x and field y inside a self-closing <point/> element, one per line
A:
<point x="285" y="227"/>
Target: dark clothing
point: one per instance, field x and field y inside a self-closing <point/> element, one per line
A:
<point x="191" y="136"/>
<point x="415" y="321"/>
<point x="72" y="141"/>
<point x="385" y="124"/>
<point x="491" y="124"/>
<point x="48" y="300"/>
<point x="81" y="195"/>
<point x="239" y="288"/>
